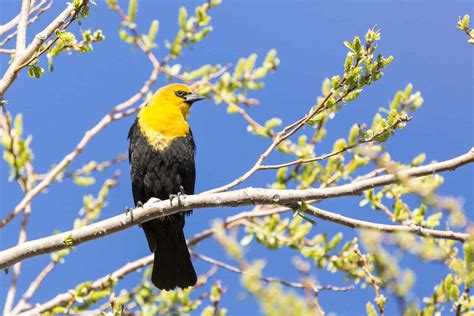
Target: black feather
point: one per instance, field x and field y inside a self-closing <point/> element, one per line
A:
<point x="159" y="173"/>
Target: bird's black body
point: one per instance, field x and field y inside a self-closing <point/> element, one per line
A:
<point x="159" y="173"/>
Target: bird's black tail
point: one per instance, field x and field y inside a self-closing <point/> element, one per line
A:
<point x="172" y="266"/>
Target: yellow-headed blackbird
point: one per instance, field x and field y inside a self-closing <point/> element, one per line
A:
<point x="161" y="154"/>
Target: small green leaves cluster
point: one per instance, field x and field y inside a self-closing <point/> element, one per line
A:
<point x="84" y="295"/>
<point x="455" y="287"/>
<point x="215" y="297"/>
<point x="463" y="25"/>
<point x="128" y="29"/>
<point x="84" y="9"/>
<point x="361" y="68"/>
<point x="16" y="149"/>
<point x="35" y="71"/>
<point x="192" y="29"/>
<point x="246" y="76"/>
<point x="395" y="279"/>
<point x="275" y="232"/>
<point x="91" y="210"/>
<point x="273" y="299"/>
<point x="146" y="300"/>
<point x="67" y="42"/>
<point x="83" y="176"/>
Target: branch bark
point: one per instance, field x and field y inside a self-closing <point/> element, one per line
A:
<point x="249" y="196"/>
<point x="21" y="58"/>
<point x="63" y="298"/>
<point x="22" y="24"/>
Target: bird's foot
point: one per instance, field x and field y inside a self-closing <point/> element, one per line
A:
<point x="151" y="201"/>
<point x="129" y="210"/>
<point x="180" y="195"/>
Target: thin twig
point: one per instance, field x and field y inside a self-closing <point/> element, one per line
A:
<point x="13" y="22"/>
<point x="31" y="20"/>
<point x="298" y="285"/>
<point x="337" y="152"/>
<point x="33" y="287"/>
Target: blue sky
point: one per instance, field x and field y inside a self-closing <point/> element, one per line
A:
<point x="429" y="52"/>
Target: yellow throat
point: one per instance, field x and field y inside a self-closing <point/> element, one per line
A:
<point x="161" y="122"/>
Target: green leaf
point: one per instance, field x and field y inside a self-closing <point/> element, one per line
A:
<point x="370" y="309"/>
<point x="132" y="10"/>
<point x="68" y="241"/>
<point x="348" y="63"/>
<point x="335" y="241"/>
<point x="418" y="160"/>
<point x="349" y="45"/>
<point x="155" y="24"/>
<point x="353" y="95"/>
<point x="35" y="71"/>
<point x="463" y="24"/>
<point x="353" y="134"/>
<point x="249" y="64"/>
<point x="183" y="14"/>
<point x="434" y="220"/>
<point x="246" y="240"/>
<point x="84" y="181"/>
<point x="201" y="34"/>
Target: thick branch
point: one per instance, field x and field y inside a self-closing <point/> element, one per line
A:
<point x="63" y="298"/>
<point x="249" y="196"/>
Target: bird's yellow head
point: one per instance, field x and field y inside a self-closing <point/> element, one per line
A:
<point x="164" y="117"/>
<point x="175" y="96"/>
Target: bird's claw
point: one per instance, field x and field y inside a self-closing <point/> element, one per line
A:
<point x="181" y="194"/>
<point x="151" y="201"/>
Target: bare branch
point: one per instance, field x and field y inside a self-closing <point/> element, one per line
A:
<point x="22" y="24"/>
<point x="359" y="224"/>
<point x="31" y="20"/>
<point x="249" y="196"/>
<point x="13" y="22"/>
<point x="33" y="287"/>
<point x="7" y="51"/>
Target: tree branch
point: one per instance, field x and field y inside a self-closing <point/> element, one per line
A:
<point x="120" y="273"/>
<point x="249" y="196"/>
<point x="297" y="285"/>
<point x="21" y="58"/>
<point x="359" y="224"/>
<point x="22" y="24"/>
<point x="31" y="20"/>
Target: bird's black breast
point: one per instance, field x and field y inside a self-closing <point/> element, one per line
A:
<point x="160" y="172"/>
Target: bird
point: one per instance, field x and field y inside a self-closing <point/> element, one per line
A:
<point x="162" y="166"/>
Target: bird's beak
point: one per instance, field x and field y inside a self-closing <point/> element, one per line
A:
<point x="193" y="97"/>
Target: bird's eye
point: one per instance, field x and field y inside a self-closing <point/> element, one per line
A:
<point x="180" y="93"/>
